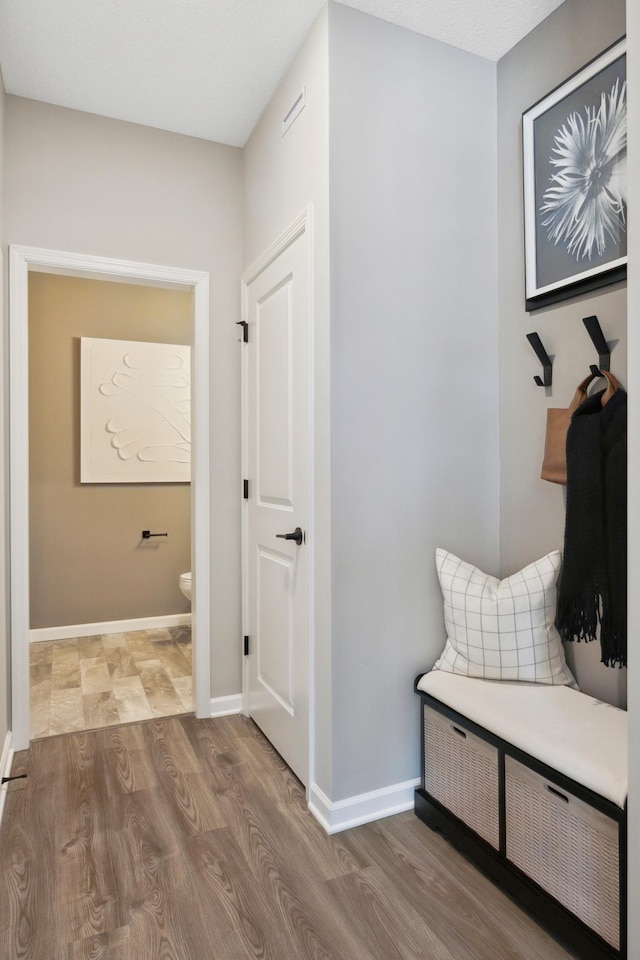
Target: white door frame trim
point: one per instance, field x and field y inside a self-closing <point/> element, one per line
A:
<point x="23" y="260"/>
<point x="303" y="224"/>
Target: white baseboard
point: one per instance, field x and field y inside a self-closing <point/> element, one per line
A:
<point x="344" y="814"/>
<point x="110" y="626"/>
<point x="225" y="706"/>
<point x="5" y="768"/>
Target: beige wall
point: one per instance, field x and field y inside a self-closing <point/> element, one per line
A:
<point x="87" y="184"/>
<point x="88" y="562"/>
<point x="533" y="510"/>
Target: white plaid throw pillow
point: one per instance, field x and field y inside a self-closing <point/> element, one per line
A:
<point x="502" y="629"/>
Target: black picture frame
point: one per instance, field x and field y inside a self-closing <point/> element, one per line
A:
<point x="575" y="183"/>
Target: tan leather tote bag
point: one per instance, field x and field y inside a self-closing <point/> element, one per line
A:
<point x="554" y="461"/>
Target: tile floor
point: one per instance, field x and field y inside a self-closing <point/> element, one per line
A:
<point x="89" y="682"/>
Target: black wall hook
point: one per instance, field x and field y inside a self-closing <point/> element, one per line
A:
<point x="597" y="336"/>
<point x="544" y="359"/>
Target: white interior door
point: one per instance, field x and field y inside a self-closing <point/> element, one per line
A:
<point x="277" y="455"/>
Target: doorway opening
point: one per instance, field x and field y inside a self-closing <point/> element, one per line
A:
<point x="26" y="260"/>
<point x="109" y="457"/>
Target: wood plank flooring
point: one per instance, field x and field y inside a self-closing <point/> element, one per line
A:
<point x="185" y="839"/>
<point x="87" y="682"/>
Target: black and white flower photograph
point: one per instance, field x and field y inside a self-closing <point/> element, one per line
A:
<point x="575" y="181"/>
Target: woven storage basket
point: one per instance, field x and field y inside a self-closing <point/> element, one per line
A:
<point x="566" y="846"/>
<point x="461" y="772"/>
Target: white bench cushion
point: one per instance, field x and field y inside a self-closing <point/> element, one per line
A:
<point x="581" y="737"/>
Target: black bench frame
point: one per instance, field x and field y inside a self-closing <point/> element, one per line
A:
<point x="560" y="922"/>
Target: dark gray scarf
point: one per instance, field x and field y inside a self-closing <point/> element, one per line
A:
<point x="593" y="583"/>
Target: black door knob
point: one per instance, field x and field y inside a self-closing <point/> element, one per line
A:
<point x="297" y="535"/>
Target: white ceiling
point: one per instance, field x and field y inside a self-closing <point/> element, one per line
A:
<point x="207" y="68"/>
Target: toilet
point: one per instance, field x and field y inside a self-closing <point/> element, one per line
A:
<point x="185" y="584"/>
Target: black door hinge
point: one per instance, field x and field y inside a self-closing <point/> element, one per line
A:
<point x="245" y="487"/>
<point x="245" y="330"/>
<point x="18" y="776"/>
<point x="246" y="646"/>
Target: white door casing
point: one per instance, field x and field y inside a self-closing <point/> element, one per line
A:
<point x="276" y="446"/>
<point x="22" y="260"/>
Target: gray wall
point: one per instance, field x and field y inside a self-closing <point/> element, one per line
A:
<point x="633" y="68"/>
<point x="414" y="370"/>
<point x="87" y="559"/>
<point x="282" y="176"/>
<point x="77" y="182"/>
<point x="532" y="510"/>
<point x="5" y="670"/>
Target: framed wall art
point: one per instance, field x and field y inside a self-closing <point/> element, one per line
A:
<point x="575" y="183"/>
<point x="135" y="412"/>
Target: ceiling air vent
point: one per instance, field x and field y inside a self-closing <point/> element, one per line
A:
<point x="294" y="111"/>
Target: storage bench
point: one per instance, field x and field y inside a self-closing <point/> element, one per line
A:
<point x="530" y="781"/>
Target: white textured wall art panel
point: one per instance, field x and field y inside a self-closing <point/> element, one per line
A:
<point x="135" y="412"/>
